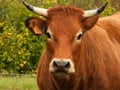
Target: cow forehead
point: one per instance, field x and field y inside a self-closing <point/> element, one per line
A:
<point x="64" y="32"/>
<point x="65" y="20"/>
<point x="69" y="25"/>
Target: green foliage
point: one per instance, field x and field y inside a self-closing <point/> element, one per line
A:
<point x="109" y="9"/>
<point x="19" y="49"/>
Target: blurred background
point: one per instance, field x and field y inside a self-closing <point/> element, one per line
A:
<point x="20" y="50"/>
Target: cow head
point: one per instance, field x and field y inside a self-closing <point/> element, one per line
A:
<point x="64" y="28"/>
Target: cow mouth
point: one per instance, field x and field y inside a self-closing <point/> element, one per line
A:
<point x="60" y="71"/>
<point x="60" y="74"/>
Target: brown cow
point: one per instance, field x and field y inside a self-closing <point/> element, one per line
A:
<point x="82" y="52"/>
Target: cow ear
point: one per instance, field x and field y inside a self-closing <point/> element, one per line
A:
<point x="90" y="22"/>
<point x="35" y="25"/>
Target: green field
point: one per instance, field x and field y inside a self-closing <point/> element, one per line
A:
<point x="18" y="83"/>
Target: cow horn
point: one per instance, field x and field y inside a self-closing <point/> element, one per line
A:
<point x="37" y="10"/>
<point x="94" y="12"/>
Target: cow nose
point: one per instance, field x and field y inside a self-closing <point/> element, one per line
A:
<point x="61" y="65"/>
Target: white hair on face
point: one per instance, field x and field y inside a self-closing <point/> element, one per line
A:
<point x="79" y="33"/>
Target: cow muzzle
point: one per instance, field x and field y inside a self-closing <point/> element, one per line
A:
<point x="61" y="66"/>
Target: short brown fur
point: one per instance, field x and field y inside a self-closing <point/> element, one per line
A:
<point x="96" y="56"/>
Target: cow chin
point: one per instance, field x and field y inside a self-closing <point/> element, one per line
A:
<point x="61" y="67"/>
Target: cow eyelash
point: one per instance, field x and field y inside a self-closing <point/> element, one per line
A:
<point x="48" y="35"/>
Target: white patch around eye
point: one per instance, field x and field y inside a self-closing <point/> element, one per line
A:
<point x="51" y="35"/>
<point x="78" y="36"/>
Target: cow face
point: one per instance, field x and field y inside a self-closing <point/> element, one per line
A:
<point x="64" y="28"/>
<point x="64" y="35"/>
<point x="65" y="31"/>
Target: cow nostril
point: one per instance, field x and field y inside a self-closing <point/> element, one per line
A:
<point x="67" y="65"/>
<point x="55" y="64"/>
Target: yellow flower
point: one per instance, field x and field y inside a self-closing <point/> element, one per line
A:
<point x="5" y="53"/>
<point x="8" y="35"/>
<point x="21" y="65"/>
<point x="24" y="62"/>
<point x="35" y="71"/>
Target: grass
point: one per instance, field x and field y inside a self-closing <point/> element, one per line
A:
<point x="15" y="83"/>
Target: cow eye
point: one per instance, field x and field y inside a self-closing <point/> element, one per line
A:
<point x="48" y="35"/>
<point x="79" y="36"/>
